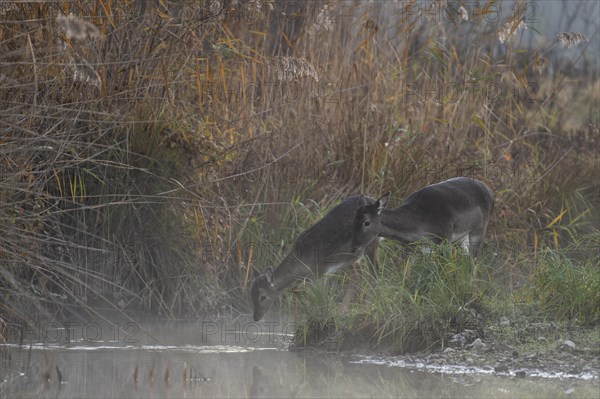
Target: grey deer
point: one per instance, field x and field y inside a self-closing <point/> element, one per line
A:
<point x="456" y="210"/>
<point x="326" y="247"/>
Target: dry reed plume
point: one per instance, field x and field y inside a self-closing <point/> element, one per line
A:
<point x="570" y="39"/>
<point x="75" y="28"/>
<point x="510" y="28"/>
<point x="80" y="33"/>
<point x="288" y="69"/>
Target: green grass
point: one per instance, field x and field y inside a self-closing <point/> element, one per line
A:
<point x="420" y="296"/>
<point x="566" y="288"/>
<point x="416" y="302"/>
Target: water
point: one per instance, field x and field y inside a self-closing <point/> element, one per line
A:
<point x="214" y="359"/>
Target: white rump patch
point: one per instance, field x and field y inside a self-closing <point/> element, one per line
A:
<point x="333" y="268"/>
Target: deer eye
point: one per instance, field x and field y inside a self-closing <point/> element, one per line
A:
<point x="263" y="297"/>
<point x="367" y="223"/>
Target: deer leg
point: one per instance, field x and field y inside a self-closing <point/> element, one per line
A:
<point x="352" y="287"/>
<point x="371" y="253"/>
<point x="356" y="272"/>
<point x="475" y="239"/>
<point x="428" y="245"/>
<point x="465" y="243"/>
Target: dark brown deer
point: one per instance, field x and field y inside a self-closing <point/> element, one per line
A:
<point x="326" y="247"/>
<point x="456" y="210"/>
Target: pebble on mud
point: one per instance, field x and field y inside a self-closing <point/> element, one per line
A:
<point x="458" y="340"/>
<point x="501" y="368"/>
<point x="477" y="344"/>
<point x="568" y="345"/>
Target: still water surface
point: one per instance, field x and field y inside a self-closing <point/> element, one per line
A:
<point x="233" y="359"/>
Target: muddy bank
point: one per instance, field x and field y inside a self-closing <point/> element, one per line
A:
<point x="505" y="348"/>
<point x="489" y="360"/>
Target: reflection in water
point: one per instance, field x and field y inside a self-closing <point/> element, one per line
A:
<point x="185" y="364"/>
<point x="258" y="382"/>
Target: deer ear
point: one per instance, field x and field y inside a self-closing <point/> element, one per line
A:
<point x="382" y="201"/>
<point x="362" y="201"/>
<point x="255" y="272"/>
<point x="269" y="276"/>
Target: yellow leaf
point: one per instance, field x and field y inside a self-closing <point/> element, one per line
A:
<point x="248" y="266"/>
<point x="557" y="219"/>
<point x="60" y="190"/>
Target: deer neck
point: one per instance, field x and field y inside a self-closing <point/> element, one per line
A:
<point x="290" y="272"/>
<point x="401" y="223"/>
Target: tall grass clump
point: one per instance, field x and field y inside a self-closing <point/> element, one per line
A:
<point x="411" y="303"/>
<point x="567" y="289"/>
